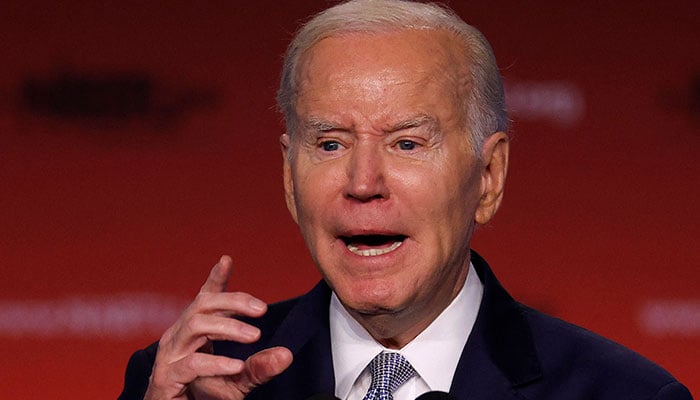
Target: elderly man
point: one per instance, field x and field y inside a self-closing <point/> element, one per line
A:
<point x="396" y="149"/>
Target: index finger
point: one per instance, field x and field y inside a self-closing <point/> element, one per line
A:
<point x="219" y="276"/>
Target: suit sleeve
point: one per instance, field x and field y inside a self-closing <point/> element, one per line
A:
<point x="673" y="391"/>
<point x="138" y="372"/>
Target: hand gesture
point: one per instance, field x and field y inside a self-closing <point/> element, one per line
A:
<point x="184" y="367"/>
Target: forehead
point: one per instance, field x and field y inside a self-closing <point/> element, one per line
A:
<point x="384" y="71"/>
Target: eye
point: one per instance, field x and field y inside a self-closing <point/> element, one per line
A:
<point x="330" y="145"/>
<point x="406" y="144"/>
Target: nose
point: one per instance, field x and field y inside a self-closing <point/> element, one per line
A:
<point x="366" y="175"/>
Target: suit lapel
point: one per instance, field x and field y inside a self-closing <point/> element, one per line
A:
<point x="305" y="331"/>
<point x="500" y="354"/>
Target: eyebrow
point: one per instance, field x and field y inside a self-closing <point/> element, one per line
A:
<point x="320" y="125"/>
<point x="414" y="123"/>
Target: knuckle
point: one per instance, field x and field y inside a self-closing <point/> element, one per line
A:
<point x="194" y="323"/>
<point x="192" y="362"/>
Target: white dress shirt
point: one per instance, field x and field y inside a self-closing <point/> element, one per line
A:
<point x="434" y="353"/>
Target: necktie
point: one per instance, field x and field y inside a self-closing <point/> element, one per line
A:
<point x="389" y="371"/>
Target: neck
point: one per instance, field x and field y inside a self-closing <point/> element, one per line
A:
<point x="396" y="329"/>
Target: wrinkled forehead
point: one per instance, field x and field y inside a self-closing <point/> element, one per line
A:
<point x="381" y="68"/>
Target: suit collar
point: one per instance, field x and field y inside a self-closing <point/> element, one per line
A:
<point x="305" y="331"/>
<point x="500" y="351"/>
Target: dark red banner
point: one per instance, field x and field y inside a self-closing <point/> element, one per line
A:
<point x="139" y="142"/>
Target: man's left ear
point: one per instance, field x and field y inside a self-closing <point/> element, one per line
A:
<point x="494" y="167"/>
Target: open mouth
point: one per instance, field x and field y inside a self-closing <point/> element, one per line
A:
<point x="372" y="245"/>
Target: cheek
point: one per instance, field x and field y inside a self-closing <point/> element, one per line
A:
<point x="444" y="203"/>
<point x="315" y="190"/>
<point x="438" y="193"/>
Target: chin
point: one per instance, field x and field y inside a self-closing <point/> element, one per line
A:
<point x="371" y="302"/>
<point x="374" y="310"/>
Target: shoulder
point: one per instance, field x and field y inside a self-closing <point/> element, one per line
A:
<point x="546" y="358"/>
<point x="580" y="361"/>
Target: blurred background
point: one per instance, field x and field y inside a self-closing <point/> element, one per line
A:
<point x="139" y="142"/>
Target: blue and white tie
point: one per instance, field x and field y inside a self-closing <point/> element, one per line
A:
<point x="389" y="371"/>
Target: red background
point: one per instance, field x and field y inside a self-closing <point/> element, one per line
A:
<point x="599" y="225"/>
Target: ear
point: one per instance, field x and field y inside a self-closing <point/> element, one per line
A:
<point x="285" y="143"/>
<point x="494" y="167"/>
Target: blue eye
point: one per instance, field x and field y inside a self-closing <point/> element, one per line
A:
<point x="330" y="146"/>
<point x="406" y="145"/>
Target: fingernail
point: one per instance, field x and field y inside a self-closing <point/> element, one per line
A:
<point x="250" y="331"/>
<point x="257" y="305"/>
<point x="235" y="366"/>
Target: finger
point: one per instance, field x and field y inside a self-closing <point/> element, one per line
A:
<point x="195" y="365"/>
<point x="263" y="366"/>
<point x="219" y="276"/>
<point x="171" y="380"/>
<point x="227" y="303"/>
<point x="201" y="328"/>
<point x="214" y="387"/>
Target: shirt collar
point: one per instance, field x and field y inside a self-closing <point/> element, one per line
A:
<point x="435" y="350"/>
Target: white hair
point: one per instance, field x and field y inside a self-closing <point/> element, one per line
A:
<point x="485" y="101"/>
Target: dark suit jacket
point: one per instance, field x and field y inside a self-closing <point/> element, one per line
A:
<point x="513" y="352"/>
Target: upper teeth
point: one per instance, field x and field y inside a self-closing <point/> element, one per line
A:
<point x="373" y="252"/>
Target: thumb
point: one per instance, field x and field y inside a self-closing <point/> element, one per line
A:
<point x="265" y="365"/>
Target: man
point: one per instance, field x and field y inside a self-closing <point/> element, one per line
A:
<point x="395" y="151"/>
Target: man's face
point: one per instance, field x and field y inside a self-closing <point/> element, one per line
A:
<point x="379" y="175"/>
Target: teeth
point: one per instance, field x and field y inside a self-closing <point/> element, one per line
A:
<point x="373" y="252"/>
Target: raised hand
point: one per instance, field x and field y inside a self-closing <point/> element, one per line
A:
<point x="184" y="367"/>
